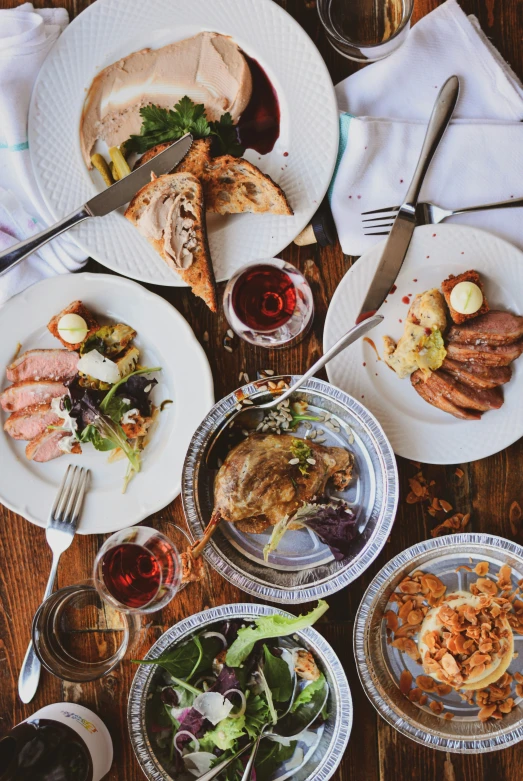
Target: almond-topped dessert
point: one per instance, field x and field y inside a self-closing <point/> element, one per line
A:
<point x="464" y="640"/>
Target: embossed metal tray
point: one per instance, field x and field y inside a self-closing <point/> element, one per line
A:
<point x="334" y="733"/>
<point x="380" y="665"/>
<point x="303" y="569"/>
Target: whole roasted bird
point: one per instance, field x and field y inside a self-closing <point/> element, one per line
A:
<point x="262" y="480"/>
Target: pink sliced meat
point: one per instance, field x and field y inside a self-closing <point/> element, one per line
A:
<point x="493" y="328"/>
<point x="29" y="423"/>
<point x="43" y="365"/>
<point x="464" y="395"/>
<point x="476" y="375"/>
<point x="484" y="354"/>
<point x="427" y="390"/>
<point x="29" y="393"/>
<point x="45" y="447"/>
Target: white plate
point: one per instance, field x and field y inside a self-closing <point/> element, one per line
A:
<point x="165" y="339"/>
<point x="416" y="429"/>
<point x="110" y="29"/>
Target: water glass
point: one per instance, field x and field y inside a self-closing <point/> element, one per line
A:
<point x="365" y="30"/>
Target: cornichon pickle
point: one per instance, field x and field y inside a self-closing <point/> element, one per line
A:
<point x="100" y="164"/>
<point x="120" y="163"/>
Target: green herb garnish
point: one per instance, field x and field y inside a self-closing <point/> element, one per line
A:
<point x="302" y="451"/>
<point x="161" y="124"/>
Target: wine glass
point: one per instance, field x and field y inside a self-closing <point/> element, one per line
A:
<point x="137" y="570"/>
<point x="269" y="303"/>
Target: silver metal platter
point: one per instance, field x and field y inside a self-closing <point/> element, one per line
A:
<point x="303" y="569"/>
<point x="380" y="665"/>
<point x="334" y="733"/>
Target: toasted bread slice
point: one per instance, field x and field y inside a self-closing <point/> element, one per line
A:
<point x="194" y="161"/>
<point x="233" y="185"/>
<point x="170" y="213"/>
<point x="75" y="308"/>
<point x="448" y="286"/>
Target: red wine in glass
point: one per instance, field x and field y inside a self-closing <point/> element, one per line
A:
<point x="269" y="303"/>
<point x="264" y="298"/>
<point x="132" y="574"/>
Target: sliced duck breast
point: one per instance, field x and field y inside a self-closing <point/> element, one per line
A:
<point x="29" y="393"/>
<point x="484" y="354"/>
<point x="47" y="446"/>
<point x="476" y="375"/>
<point x="43" y="365"/>
<point x="29" y="422"/>
<point x="427" y="391"/>
<point x="493" y="328"/>
<point x="464" y="395"/>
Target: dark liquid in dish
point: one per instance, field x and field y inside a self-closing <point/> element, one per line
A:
<point x="264" y="298"/>
<point x="131" y="574"/>
<point x="259" y="125"/>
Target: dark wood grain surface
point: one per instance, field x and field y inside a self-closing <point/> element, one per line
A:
<point x="487" y="489"/>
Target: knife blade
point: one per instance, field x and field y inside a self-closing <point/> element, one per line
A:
<point x="123" y="191"/>
<point x="398" y="242"/>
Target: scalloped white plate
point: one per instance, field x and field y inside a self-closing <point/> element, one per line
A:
<point x="165" y="339"/>
<point x="302" y="160"/>
<point x="416" y="429"/>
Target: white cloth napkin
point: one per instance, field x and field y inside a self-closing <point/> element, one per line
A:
<point x="26" y="36"/>
<point x="384" y="111"/>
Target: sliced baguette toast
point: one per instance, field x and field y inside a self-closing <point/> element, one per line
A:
<point x="233" y="185"/>
<point x="194" y="161"/>
<point x="172" y="207"/>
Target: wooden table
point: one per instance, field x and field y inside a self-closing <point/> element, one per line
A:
<point x="490" y="490"/>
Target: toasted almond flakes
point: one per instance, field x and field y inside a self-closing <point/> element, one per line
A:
<point x="405" y="682"/>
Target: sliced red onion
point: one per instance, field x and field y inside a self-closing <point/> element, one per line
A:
<point x="216" y="634"/>
<point x="192" y="737"/>
<point x="243" y="706"/>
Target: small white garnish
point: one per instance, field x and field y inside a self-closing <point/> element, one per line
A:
<point x="213" y="706"/>
<point x="65" y="445"/>
<point x="96" y="365"/>
<point x="68" y="422"/>
<point x="199" y="762"/>
<point x="466" y="298"/>
<point x="128" y="417"/>
<point x="72" y="328"/>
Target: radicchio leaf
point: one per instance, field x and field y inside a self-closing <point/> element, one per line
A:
<point x="226" y="680"/>
<point x="137" y="390"/>
<point x="336" y="527"/>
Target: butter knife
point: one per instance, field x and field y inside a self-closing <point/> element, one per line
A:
<point x="116" y="195"/>
<point x="400" y="236"/>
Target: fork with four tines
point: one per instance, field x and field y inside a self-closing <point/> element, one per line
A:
<point x="60" y="530"/>
<point x="426" y="214"/>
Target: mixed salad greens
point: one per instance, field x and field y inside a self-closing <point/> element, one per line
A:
<point x="109" y="399"/>
<point x="219" y="689"/>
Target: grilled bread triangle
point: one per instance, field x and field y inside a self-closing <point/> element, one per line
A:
<point x="233" y="185"/>
<point x="170" y="213"/>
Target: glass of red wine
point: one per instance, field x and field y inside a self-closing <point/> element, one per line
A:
<point x="137" y="570"/>
<point x="269" y="303"/>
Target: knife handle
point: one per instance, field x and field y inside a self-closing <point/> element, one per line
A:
<point x="17" y="252"/>
<point x="439" y="119"/>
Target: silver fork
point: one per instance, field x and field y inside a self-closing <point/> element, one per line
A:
<point x="60" y="530"/>
<point x="426" y="214"/>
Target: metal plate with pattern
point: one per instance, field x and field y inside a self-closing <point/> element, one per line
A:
<point x="303" y="569"/>
<point x="380" y="664"/>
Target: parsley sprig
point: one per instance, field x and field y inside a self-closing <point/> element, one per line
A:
<point x="161" y="124"/>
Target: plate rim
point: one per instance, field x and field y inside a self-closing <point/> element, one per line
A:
<point x="256" y="586"/>
<point x="98" y="278"/>
<point x="372" y="593"/>
<point x="248" y="610"/>
<point x="447" y="228"/>
<point x="173" y="280"/>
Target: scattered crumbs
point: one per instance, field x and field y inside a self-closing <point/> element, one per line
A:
<point x="282" y="168"/>
<point x="350" y="196"/>
<point x="428" y="256"/>
<point x="362" y="396"/>
<point x="462" y="253"/>
<point x="206" y="336"/>
<point x="376" y="374"/>
<point x="510" y="196"/>
<point x="285" y="154"/>
<point x="385" y="302"/>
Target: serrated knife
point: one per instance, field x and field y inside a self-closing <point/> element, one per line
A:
<point x="116" y="195"/>
<point x="400" y="236"/>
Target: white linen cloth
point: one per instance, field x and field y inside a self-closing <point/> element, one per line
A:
<point x="384" y="112"/>
<point x="26" y="36"/>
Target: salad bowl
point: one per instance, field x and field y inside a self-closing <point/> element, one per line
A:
<point x="332" y="735"/>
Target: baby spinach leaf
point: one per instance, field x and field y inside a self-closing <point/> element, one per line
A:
<point x="278" y="676"/>
<point x="270" y="756"/>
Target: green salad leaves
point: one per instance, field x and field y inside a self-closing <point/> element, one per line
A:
<point x="266" y="627"/>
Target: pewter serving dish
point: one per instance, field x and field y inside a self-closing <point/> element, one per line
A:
<point x="303" y="568"/>
<point x="333" y="735"/>
<point x="380" y="665"/>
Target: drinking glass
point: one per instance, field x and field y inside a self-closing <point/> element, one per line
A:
<point x="137" y="570"/>
<point x="269" y="303"/>
<point x="365" y="30"/>
<point x="77" y="637"/>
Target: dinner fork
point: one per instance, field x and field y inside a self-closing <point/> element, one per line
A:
<point x="426" y="214"/>
<point x="60" y="530"/>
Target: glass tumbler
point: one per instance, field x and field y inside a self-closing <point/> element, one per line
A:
<point x="269" y="303"/>
<point x="137" y="570"/>
<point x="365" y="30"/>
<point x="79" y="638"/>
